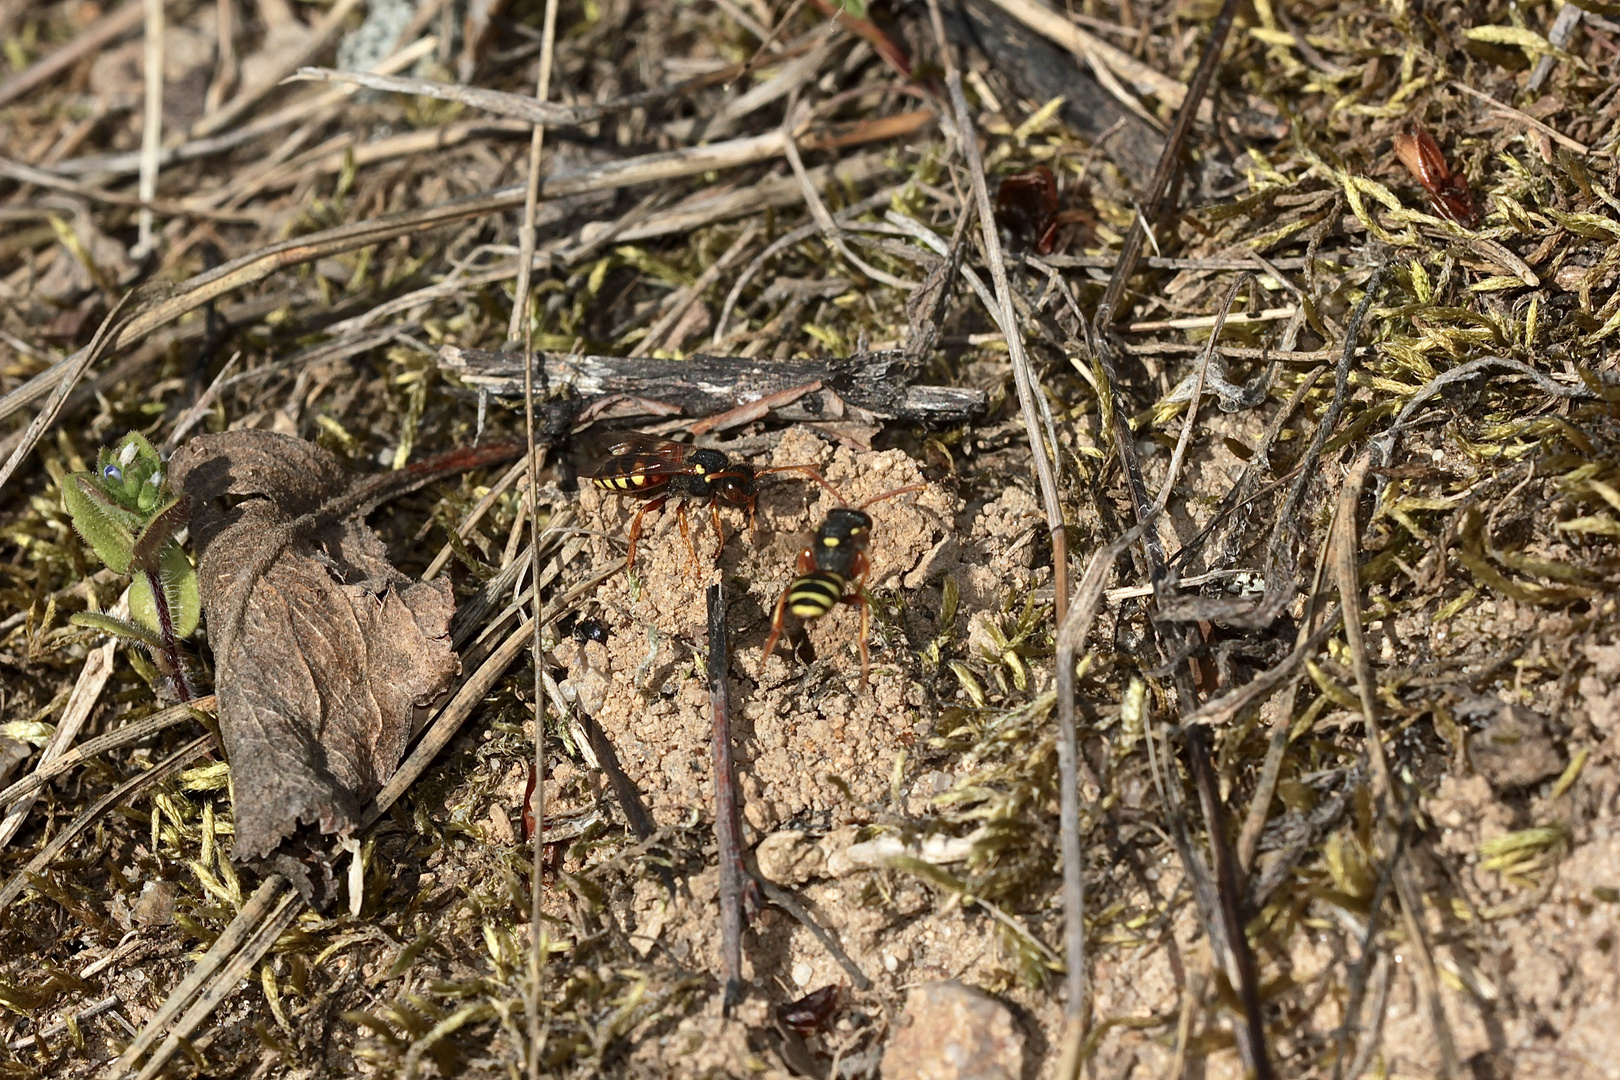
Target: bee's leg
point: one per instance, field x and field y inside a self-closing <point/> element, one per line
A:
<point x="719" y="531"/>
<point x="862" y="567"/>
<point x="866" y="625"/>
<point x="776" y="629"/>
<point x="686" y="530"/>
<point x="635" y="531"/>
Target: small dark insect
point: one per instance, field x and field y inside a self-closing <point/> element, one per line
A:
<point x="591" y="630"/>
<point x="833" y="562"/>
<point x="811" y="1012"/>
<point x="1448" y="191"/>
<point x="1027" y="206"/>
<point x="641" y="466"/>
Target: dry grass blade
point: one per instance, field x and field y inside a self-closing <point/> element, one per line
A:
<point x="98" y="668"/>
<point x="271" y="909"/>
<point x="534" y="110"/>
<point x="1057" y="27"/>
<point x="466" y="697"/>
<point x="1346" y="542"/>
<point x="1037" y="422"/>
<point x="1516" y="115"/>
<point x="91" y="814"/>
<point x="29" y="175"/>
<point x="151" y="121"/>
<point x="123" y="735"/>
<point x="681" y="302"/>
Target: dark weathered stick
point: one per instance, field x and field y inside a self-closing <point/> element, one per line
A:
<point x="1158" y="193"/>
<point x="1222" y="912"/>
<point x="877" y="382"/>
<point x="727" y="810"/>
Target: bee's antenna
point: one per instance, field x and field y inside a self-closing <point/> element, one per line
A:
<point x="812" y="472"/>
<point x="891" y="494"/>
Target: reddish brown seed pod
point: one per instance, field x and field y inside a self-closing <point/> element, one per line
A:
<point x="811" y="1012"/>
<point x="1448" y="191"/>
<point x="528" y="807"/>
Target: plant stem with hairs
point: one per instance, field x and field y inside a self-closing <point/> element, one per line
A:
<point x="125" y="512"/>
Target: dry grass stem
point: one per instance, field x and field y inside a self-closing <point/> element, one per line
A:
<point x="1184" y="289"/>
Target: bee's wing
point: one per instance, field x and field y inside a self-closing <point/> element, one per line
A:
<point x="660" y="456"/>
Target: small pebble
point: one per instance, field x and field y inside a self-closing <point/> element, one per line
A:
<point x="953" y="1032"/>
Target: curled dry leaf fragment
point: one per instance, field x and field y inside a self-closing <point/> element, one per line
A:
<point x="1448" y="191"/>
<point x="321" y="647"/>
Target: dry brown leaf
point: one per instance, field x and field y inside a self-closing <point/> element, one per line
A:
<point x="321" y="647"/>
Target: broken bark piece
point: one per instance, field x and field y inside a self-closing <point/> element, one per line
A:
<point x="1040" y="71"/>
<point x="322" y="648"/>
<point x="877" y="383"/>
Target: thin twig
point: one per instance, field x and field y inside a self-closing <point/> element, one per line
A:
<point x="1042" y="440"/>
<point x="27" y="174"/>
<point x="1345" y="545"/>
<point x="151" y="124"/>
<point x="728" y="810"/>
<point x="1159" y="191"/>
<point x="522" y="326"/>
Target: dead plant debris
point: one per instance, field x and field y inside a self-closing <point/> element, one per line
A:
<point x="783" y="186"/>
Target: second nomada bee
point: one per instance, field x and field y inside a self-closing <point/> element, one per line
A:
<point x="832" y="570"/>
<point x="641" y="466"/>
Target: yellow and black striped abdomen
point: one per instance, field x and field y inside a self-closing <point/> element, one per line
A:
<point x="814" y="594"/>
<point x="630" y="474"/>
<point x="620" y="483"/>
